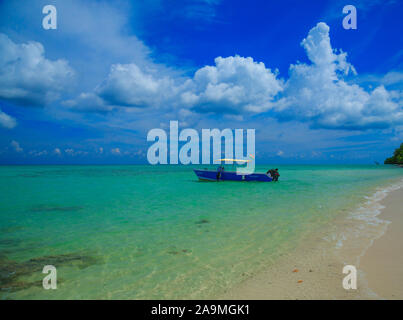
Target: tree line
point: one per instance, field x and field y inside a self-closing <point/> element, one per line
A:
<point x="397" y="157"/>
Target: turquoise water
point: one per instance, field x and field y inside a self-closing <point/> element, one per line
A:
<point x="140" y="232"/>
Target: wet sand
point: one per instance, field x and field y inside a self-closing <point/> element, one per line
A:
<point x="314" y="269"/>
<point x="383" y="261"/>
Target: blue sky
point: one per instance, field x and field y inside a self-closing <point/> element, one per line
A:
<point x="90" y="91"/>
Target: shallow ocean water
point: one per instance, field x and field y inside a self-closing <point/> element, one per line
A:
<point x="143" y="232"/>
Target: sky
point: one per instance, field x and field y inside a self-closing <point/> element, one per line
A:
<point x="89" y="91"/>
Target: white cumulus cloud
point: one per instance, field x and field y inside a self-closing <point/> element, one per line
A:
<point x="127" y="85"/>
<point x="318" y="93"/>
<point x="26" y="76"/>
<point x="234" y="85"/>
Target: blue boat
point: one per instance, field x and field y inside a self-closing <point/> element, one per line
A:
<point x="222" y="175"/>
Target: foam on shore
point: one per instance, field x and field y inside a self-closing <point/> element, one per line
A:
<point x="381" y="262"/>
<point x="314" y="269"/>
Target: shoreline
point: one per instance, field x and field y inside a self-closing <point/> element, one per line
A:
<point x="368" y="238"/>
<point x="382" y="262"/>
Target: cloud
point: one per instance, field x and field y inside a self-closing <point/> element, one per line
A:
<point x="57" y="151"/>
<point x="393" y="77"/>
<point x="69" y="151"/>
<point x="7" y="121"/>
<point x="27" y="77"/>
<point x="200" y="10"/>
<point x="234" y="85"/>
<point x="16" y="146"/>
<point x="116" y="151"/>
<point x="392" y="80"/>
<point x="91" y="45"/>
<point x="316" y="92"/>
<point x="88" y="102"/>
<point x="73" y="153"/>
<point x="127" y="85"/>
<point x="38" y="153"/>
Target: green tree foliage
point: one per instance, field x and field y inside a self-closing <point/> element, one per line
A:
<point x="397" y="156"/>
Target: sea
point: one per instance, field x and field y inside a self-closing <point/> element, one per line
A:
<point x="156" y="232"/>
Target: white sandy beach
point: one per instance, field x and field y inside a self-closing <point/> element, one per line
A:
<point x="383" y="261"/>
<point x="314" y="270"/>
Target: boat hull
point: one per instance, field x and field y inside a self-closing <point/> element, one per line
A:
<point x="210" y="175"/>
